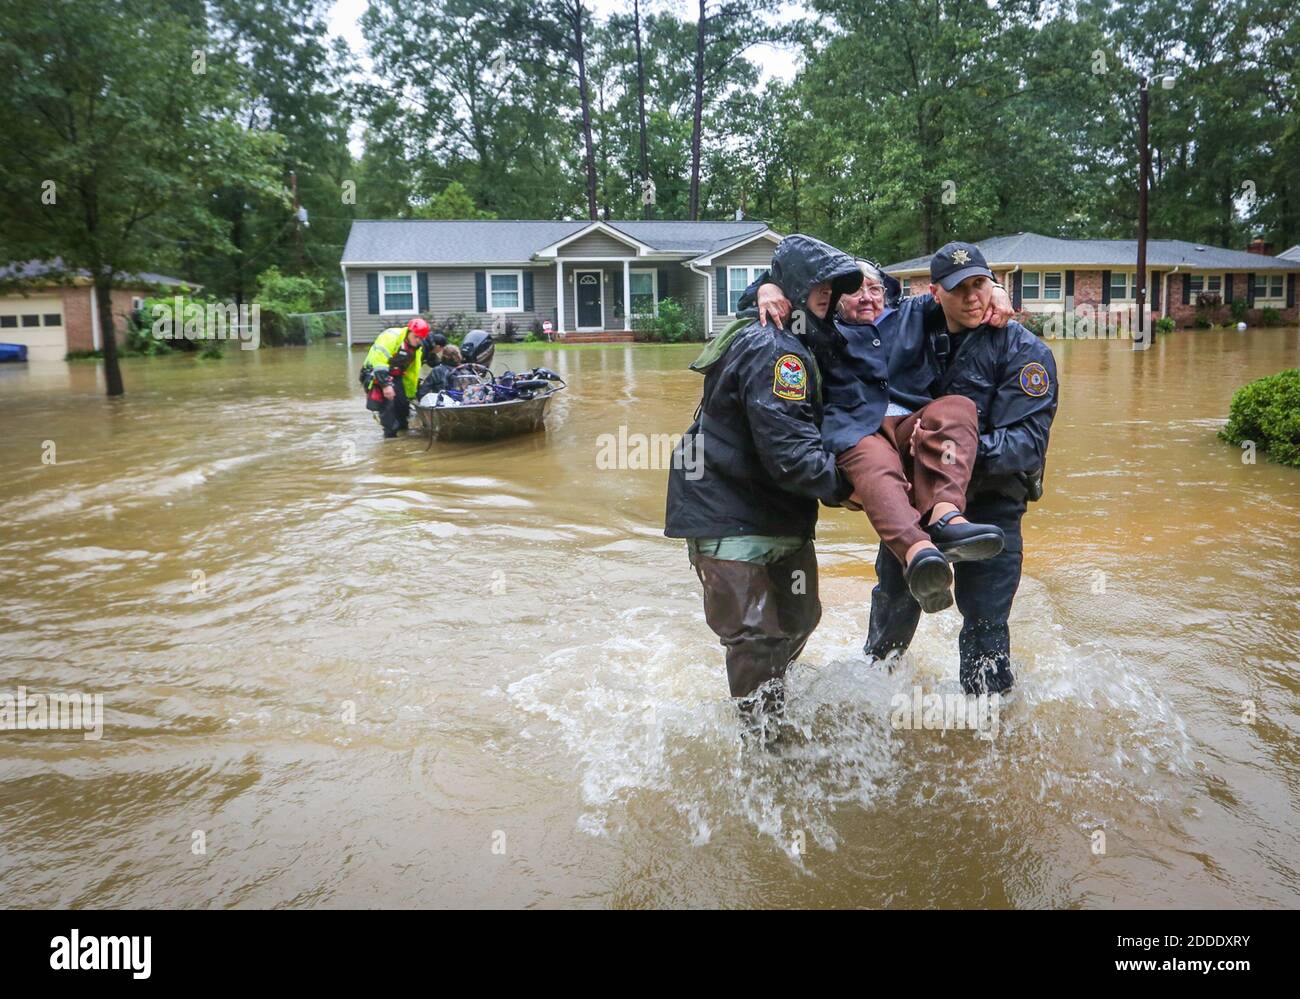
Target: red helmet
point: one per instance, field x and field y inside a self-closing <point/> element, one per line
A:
<point x="418" y="328"/>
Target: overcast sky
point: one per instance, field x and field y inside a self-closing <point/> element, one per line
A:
<point x="772" y="61"/>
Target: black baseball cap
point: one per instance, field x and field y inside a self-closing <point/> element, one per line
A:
<point x="955" y="262"/>
<point x="438" y="340"/>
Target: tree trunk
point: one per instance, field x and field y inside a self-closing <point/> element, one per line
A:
<point x="794" y="191"/>
<point x="585" y="96"/>
<point x="104" y="302"/>
<point x="699" y="115"/>
<point x="646" y="206"/>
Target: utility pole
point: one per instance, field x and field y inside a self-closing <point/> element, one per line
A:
<point x="299" y="217"/>
<point x="1145" y="331"/>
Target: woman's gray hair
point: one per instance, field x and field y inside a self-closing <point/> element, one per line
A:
<point x="870" y="270"/>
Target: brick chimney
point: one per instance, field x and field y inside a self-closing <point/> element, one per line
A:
<point x="1257" y="245"/>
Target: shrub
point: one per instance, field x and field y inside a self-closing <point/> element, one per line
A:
<point x="1209" y="311"/>
<point x="141" y="339"/>
<point x="1267" y="411"/>
<point x="1270" y="317"/>
<point x="1035" y="322"/>
<point x="280" y="296"/>
<point x="1165" y="324"/>
<point x="675" y="323"/>
<point x="453" y="327"/>
<point x="139" y="334"/>
<point x="1238" y="309"/>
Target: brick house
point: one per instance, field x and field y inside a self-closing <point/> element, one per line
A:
<point x="1047" y="274"/>
<point x="53" y="311"/>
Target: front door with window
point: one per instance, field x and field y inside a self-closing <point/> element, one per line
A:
<point x="590" y="305"/>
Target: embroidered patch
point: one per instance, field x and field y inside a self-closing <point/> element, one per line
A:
<point x="790" y="380"/>
<point x="1034" y="380"/>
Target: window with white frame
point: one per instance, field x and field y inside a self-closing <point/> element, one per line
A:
<point x="505" y="291"/>
<point x="645" y="292"/>
<point x="1205" y="284"/>
<point x="1042" y="286"/>
<point x="1123" y="286"/>
<point x="738" y="279"/>
<point x="397" y="291"/>
<point x="1270" y="287"/>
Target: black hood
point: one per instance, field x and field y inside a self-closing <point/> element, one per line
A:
<point x="800" y="263"/>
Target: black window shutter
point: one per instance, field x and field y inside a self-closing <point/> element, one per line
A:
<point x="1187" y="289"/>
<point x="1250" y="291"/>
<point x="1155" y="292"/>
<point x="422" y="288"/>
<point x="1015" y="289"/>
<point x="1227" y="288"/>
<point x="528" y="291"/>
<point x="372" y="293"/>
<point x="1290" y="291"/>
<point x="1105" y="287"/>
<point x="721" y="291"/>
<point x="663" y="283"/>
<point x="480" y="291"/>
<point x="1069" y="284"/>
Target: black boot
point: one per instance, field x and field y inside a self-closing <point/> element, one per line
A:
<point x="762" y="712"/>
<point x="987" y="677"/>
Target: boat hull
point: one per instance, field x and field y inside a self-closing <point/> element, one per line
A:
<point x="486" y="422"/>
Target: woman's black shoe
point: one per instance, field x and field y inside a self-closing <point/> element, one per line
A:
<point x="965" y="542"/>
<point x="930" y="580"/>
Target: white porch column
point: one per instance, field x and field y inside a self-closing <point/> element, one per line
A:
<point x="627" y="294"/>
<point x="559" y="297"/>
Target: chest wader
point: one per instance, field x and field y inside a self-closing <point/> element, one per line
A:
<point x="763" y="613"/>
<point x="762" y="605"/>
<point x="394" y="413"/>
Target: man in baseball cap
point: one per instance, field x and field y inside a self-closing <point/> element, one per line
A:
<point x="955" y="262"/>
<point x="1009" y="375"/>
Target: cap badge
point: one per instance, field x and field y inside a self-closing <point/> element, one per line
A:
<point x="960" y="257"/>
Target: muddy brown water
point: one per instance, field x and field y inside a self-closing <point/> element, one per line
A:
<point x="339" y="671"/>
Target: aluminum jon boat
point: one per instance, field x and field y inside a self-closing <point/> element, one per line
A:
<point x="486" y="421"/>
<point x="479" y="406"/>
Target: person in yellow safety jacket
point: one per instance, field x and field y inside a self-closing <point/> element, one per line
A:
<point x="391" y="372"/>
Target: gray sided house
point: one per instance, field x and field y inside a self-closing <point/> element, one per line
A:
<point x="575" y="275"/>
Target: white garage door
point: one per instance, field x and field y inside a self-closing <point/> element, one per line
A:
<point x="36" y="322"/>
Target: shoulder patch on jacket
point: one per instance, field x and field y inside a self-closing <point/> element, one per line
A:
<point x="790" y="378"/>
<point x="1034" y="380"/>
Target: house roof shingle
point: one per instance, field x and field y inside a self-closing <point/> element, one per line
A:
<point x="30" y="270"/>
<point x="1029" y="248"/>
<point x="423" y="241"/>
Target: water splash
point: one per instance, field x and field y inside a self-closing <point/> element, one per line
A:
<point x="1082" y="737"/>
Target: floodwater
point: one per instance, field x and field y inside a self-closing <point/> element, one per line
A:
<point x="339" y="671"/>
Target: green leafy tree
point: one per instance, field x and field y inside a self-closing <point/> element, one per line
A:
<point x="117" y="138"/>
